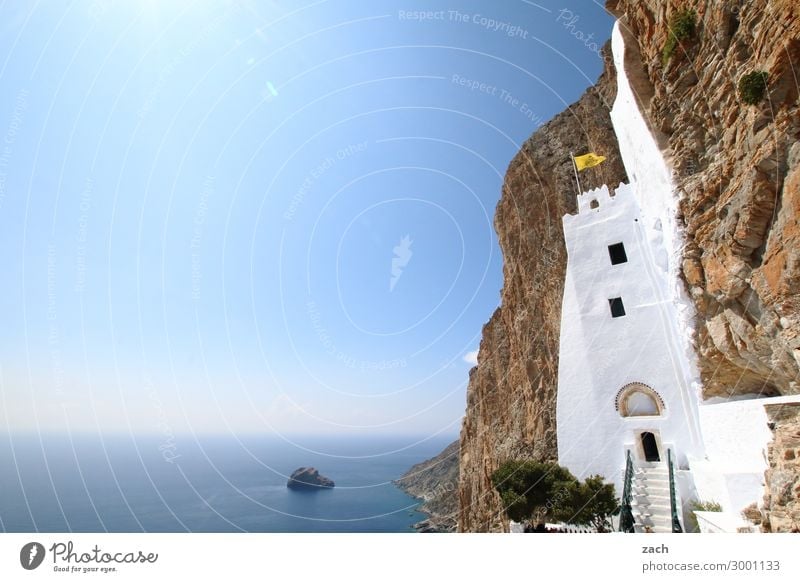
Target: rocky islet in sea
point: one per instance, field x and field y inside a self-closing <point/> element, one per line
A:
<point x="308" y="479"/>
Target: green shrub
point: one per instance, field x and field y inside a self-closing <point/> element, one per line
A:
<point x="752" y="87"/>
<point x="532" y="492"/>
<point x="592" y="502"/>
<point x="530" y="489"/>
<point x="681" y="26"/>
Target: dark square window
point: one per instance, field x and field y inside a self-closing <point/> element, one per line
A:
<point x="617" y="254"/>
<point x="617" y="308"/>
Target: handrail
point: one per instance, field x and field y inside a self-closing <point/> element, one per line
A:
<point x="676" y="524"/>
<point x="626" y="514"/>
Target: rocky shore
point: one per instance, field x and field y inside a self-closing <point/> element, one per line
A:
<point x="435" y="482"/>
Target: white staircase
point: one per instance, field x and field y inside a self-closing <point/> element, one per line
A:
<point x="650" y="503"/>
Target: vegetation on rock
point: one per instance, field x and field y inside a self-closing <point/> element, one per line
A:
<point x="681" y="27"/>
<point x="752" y="87"/>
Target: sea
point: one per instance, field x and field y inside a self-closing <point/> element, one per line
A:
<point x="126" y="483"/>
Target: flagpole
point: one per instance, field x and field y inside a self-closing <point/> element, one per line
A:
<point x="575" y="168"/>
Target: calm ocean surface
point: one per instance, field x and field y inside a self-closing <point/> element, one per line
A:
<point x="214" y="484"/>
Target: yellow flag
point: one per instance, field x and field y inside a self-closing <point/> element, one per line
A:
<point x="588" y="161"/>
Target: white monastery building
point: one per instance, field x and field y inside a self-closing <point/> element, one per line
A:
<point x="629" y="403"/>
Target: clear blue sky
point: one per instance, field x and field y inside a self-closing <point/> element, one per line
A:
<point x="200" y="204"/>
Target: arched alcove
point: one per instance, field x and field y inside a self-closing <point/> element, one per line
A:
<point x="637" y="399"/>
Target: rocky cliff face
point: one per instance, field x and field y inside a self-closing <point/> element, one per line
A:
<point x="435" y="481"/>
<point x="782" y="499"/>
<point x="737" y="168"/>
<point x="738" y="174"/>
<point x="511" y="394"/>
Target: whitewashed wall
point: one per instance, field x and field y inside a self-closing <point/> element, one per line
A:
<point x="657" y="196"/>
<point x="599" y="354"/>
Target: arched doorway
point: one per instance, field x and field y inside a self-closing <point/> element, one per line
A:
<point x="650" y="447"/>
<point x="637" y="399"/>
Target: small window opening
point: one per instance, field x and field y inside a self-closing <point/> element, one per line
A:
<point x="617" y="308"/>
<point x="617" y="254"/>
<point x="594" y="204"/>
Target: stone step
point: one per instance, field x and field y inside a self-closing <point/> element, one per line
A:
<point x="651" y="484"/>
<point x="652" y="496"/>
<point x="651" y="471"/>
<point x="651" y="478"/>
<point x="647" y="510"/>
<point x="655" y="522"/>
<point x="661" y="515"/>
<point x="651" y="491"/>
<point x="652" y="508"/>
<point x="658" y="529"/>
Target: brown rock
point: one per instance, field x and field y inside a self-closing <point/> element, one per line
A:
<point x="742" y="200"/>
<point x="511" y="394"/>
<point x="782" y="496"/>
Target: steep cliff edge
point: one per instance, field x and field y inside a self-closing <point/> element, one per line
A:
<point x="511" y="393"/>
<point x="737" y="168"/>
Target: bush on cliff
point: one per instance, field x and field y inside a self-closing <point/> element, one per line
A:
<point x="752" y="87"/>
<point x="682" y="25"/>
<point x="534" y="492"/>
<point x="531" y="490"/>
